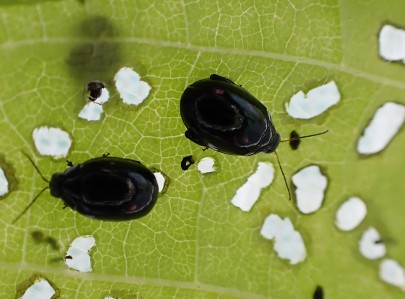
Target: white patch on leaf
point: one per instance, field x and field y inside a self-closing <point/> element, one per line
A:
<point x="370" y="244"/>
<point x="206" y="165"/>
<point x="52" y="141"/>
<point x="132" y="90"/>
<point x="3" y="183"/>
<point x="386" y="122"/>
<point x="311" y="185"/>
<point x="314" y="103"/>
<point x="92" y="111"/>
<point x="350" y="214"/>
<point x="79" y="251"/>
<point x="40" y="289"/>
<point x="288" y="242"/>
<point x="249" y="192"/>
<point x="392" y="272"/>
<point x="160" y="180"/>
<point x="391" y="43"/>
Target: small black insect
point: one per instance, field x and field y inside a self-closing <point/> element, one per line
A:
<point x="318" y="294"/>
<point x="106" y="188"/>
<point x="94" y="89"/>
<point x="187" y="162"/>
<point x="225" y="117"/>
<point x="68" y="257"/>
<point x="294" y="140"/>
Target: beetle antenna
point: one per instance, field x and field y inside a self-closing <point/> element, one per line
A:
<point x="30" y="204"/>
<point x="36" y="168"/>
<point x="285" y="180"/>
<point x="306" y="136"/>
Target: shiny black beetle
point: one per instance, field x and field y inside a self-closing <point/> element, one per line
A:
<point x="105" y="188"/>
<point x="223" y="116"/>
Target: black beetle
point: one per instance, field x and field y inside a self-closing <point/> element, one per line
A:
<point x="94" y="89"/>
<point x="105" y="188"/>
<point x="225" y="117"/>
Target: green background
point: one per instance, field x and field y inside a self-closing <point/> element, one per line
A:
<point x="195" y="244"/>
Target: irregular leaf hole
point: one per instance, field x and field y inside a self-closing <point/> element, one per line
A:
<point x="92" y="110"/>
<point x="391" y="43"/>
<point x="132" y="90"/>
<point x="288" y="244"/>
<point x="314" y="103"/>
<point x="8" y="179"/>
<point x="162" y="179"/>
<point x="247" y="195"/>
<point x="79" y="252"/>
<point x="370" y="246"/>
<point x="206" y="165"/>
<point x="310" y="189"/>
<point x="50" y="141"/>
<point x="393" y="273"/>
<point x="37" y="287"/>
<point x="350" y="214"/>
<point x="385" y="124"/>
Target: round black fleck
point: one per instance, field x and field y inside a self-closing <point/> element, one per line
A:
<point x="187" y="162"/>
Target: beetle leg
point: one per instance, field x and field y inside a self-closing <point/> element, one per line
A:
<point x="205" y="148"/>
<point x="105" y="155"/>
<point x="69" y="163"/>
<point x="191" y="136"/>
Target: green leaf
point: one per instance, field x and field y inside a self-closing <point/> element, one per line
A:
<point x="195" y="244"/>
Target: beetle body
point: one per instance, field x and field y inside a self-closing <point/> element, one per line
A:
<point x="225" y="117"/>
<point x="107" y="188"/>
<point x="94" y="89"/>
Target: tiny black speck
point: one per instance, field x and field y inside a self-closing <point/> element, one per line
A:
<point x="318" y="294"/>
<point x="294" y="140"/>
<point x="187" y="162"/>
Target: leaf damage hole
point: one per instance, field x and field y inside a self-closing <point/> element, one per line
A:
<point x="162" y="179"/>
<point x="391" y="43"/>
<point x="350" y="214"/>
<point x="79" y="253"/>
<point x="247" y="195"/>
<point x="385" y="124"/>
<point x="93" y="110"/>
<point x="393" y="273"/>
<point x="310" y="186"/>
<point x="8" y="179"/>
<point x="206" y="165"/>
<point x="132" y="90"/>
<point x="50" y="141"/>
<point x="370" y="246"/>
<point x="314" y="103"/>
<point x="37" y="287"/>
<point x="288" y="243"/>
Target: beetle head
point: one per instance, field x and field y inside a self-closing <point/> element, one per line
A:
<point x="56" y="184"/>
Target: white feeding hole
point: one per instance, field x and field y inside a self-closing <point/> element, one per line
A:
<point x="41" y="289"/>
<point x="247" y="195"/>
<point x="160" y="180"/>
<point x="92" y="111"/>
<point x="206" y="165"/>
<point x="130" y="87"/>
<point x="288" y="244"/>
<point x="350" y="214"/>
<point x="79" y="253"/>
<point x="311" y="185"/>
<point x="52" y="142"/>
<point x="392" y="43"/>
<point x="317" y="101"/>
<point x="392" y="273"/>
<point x="386" y="122"/>
<point x="370" y="244"/>
<point x="3" y="183"/>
